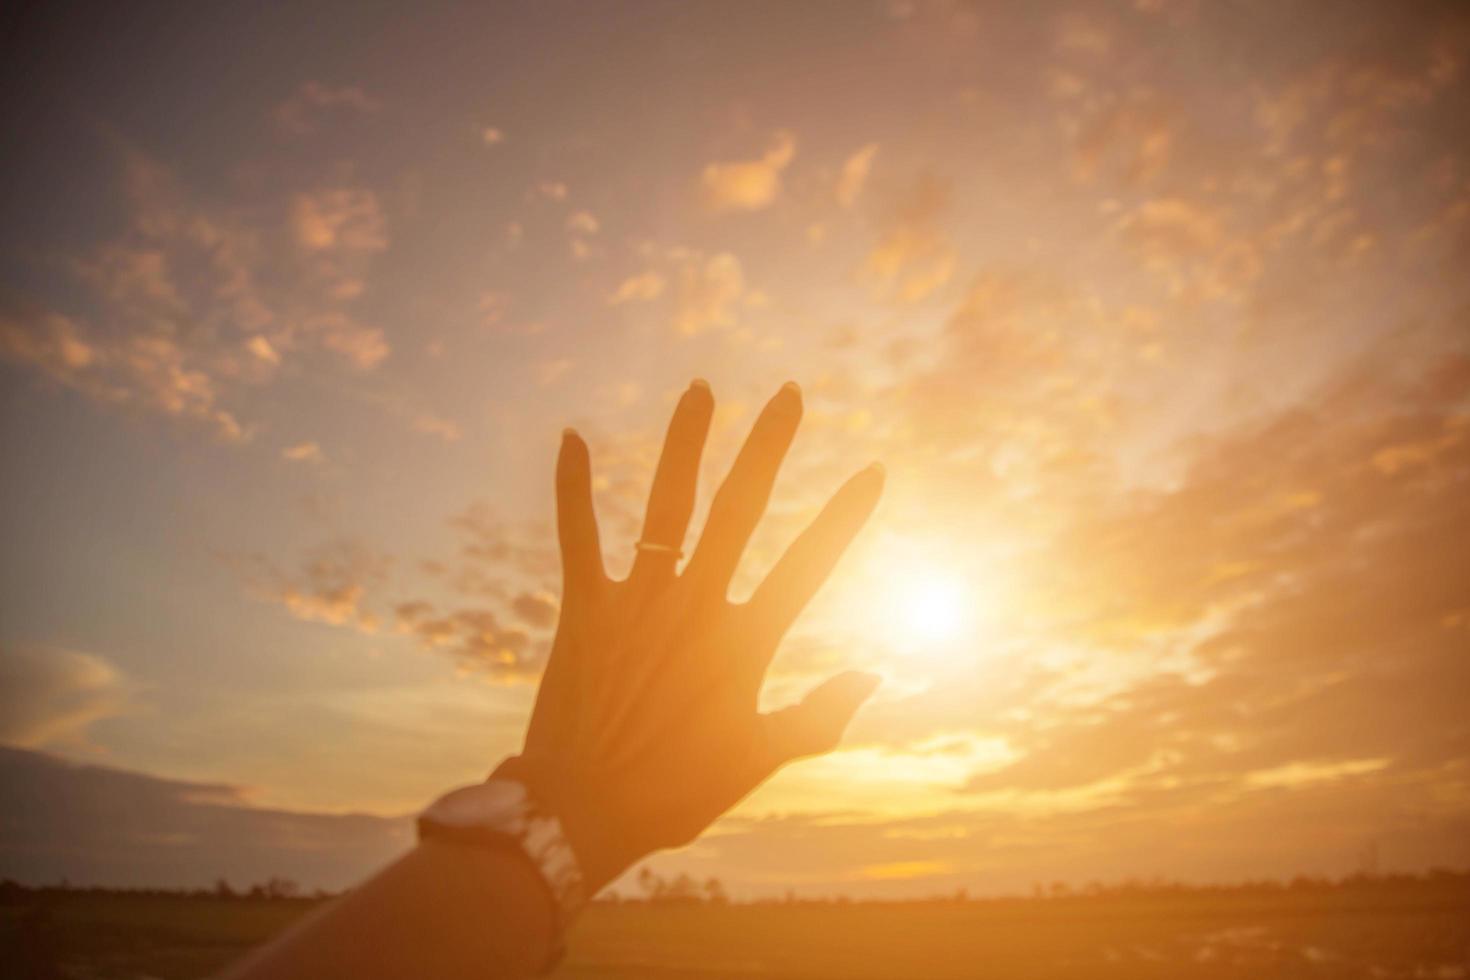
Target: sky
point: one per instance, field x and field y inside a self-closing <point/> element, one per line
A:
<point x="1157" y="314"/>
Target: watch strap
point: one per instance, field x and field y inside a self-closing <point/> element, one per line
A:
<point x="502" y="812"/>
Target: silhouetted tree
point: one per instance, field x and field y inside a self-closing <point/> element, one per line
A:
<point x="281" y="888"/>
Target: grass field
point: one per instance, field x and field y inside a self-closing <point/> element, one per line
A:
<point x="1417" y="930"/>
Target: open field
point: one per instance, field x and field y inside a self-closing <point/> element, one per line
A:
<point x="1415" y="930"/>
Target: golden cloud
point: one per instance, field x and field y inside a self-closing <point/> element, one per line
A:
<point x="748" y="185"/>
<point x="303" y="452"/>
<point x="854" y="175"/>
<point x="314" y="101"/>
<point x="913" y="257"/>
<point x="183" y="263"/>
<point x="343" y="218"/>
<point x="641" y="288"/>
<point x="473" y="636"/>
<point x="51" y="697"/>
<point x="708" y="291"/>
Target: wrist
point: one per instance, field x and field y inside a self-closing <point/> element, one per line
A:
<point x="597" y="848"/>
<point x="502" y="814"/>
<point x="599" y="844"/>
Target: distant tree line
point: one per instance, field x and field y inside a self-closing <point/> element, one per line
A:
<point x="684" y="889"/>
<point x="680" y="890"/>
<point x="272" y="889"/>
<point x="1162" y="888"/>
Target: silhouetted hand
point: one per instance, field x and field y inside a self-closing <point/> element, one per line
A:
<point x="645" y="728"/>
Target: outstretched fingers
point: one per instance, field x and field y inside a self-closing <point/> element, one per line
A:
<point x="796" y="578"/>
<point x="671" y="500"/>
<point x="815" y="724"/>
<point x="742" y="498"/>
<point x="576" y="522"/>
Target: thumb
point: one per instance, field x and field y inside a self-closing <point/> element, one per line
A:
<point x="815" y="724"/>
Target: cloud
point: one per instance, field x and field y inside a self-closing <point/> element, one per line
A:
<point x="52" y="343"/>
<point x="1022" y="370"/>
<point x="99" y="825"/>
<point x="191" y="307"/>
<point x="261" y="348"/>
<point x="346" y="219"/>
<point x="341" y="229"/>
<point x="582" y="226"/>
<point x="913" y="256"/>
<point x="51" y="697"/>
<point x="1138" y="137"/>
<point x="748" y="185"/>
<point x="331" y="587"/>
<point x="150" y="372"/>
<point x="303" y="452"/>
<point x="491" y="306"/>
<point x="901" y="870"/>
<point x="493" y="543"/>
<point x="1338" y="622"/>
<point x="854" y="175"/>
<point x="346" y="584"/>
<point x="536" y="609"/>
<point x="641" y="288"/>
<point x="474" y="637"/>
<point x="1317" y="828"/>
<point x="306" y="108"/>
<point x="707" y="292"/>
<point x="1169" y="227"/>
<point x="361" y="346"/>
<point x="334" y="605"/>
<point x="434" y="425"/>
<point x="582" y="223"/>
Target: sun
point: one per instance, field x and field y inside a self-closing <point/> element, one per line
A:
<point x="929" y="607"/>
<point x="932" y="609"/>
<point x="920" y="599"/>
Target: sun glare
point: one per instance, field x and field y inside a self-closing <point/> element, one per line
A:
<point x="930" y="604"/>
<point x="932" y="608"/>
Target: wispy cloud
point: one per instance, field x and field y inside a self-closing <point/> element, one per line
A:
<point x="643" y="287"/>
<point x="187" y="310"/>
<point x="913" y="256"/>
<point x="303" y="452"/>
<point x="706" y="291"/>
<point x="854" y="175"/>
<point x="97" y="824"/>
<point x="52" y="697"/>
<point x="748" y="185"/>
<point x="306" y="108"/>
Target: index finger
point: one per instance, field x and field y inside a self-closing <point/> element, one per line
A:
<point x="801" y="571"/>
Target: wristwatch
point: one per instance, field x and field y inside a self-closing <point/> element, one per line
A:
<point x="502" y="812"/>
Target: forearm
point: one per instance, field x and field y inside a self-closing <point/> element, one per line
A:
<point x="645" y="728"/>
<point x="442" y="911"/>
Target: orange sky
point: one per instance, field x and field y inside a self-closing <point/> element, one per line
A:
<point x="1155" y="312"/>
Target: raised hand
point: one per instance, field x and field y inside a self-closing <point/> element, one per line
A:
<point x="645" y="728"/>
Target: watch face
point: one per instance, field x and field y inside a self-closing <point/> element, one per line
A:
<point x="499" y="804"/>
<point x="501" y="810"/>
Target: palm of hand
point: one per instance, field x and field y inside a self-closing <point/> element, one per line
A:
<point x="646" y="728"/>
